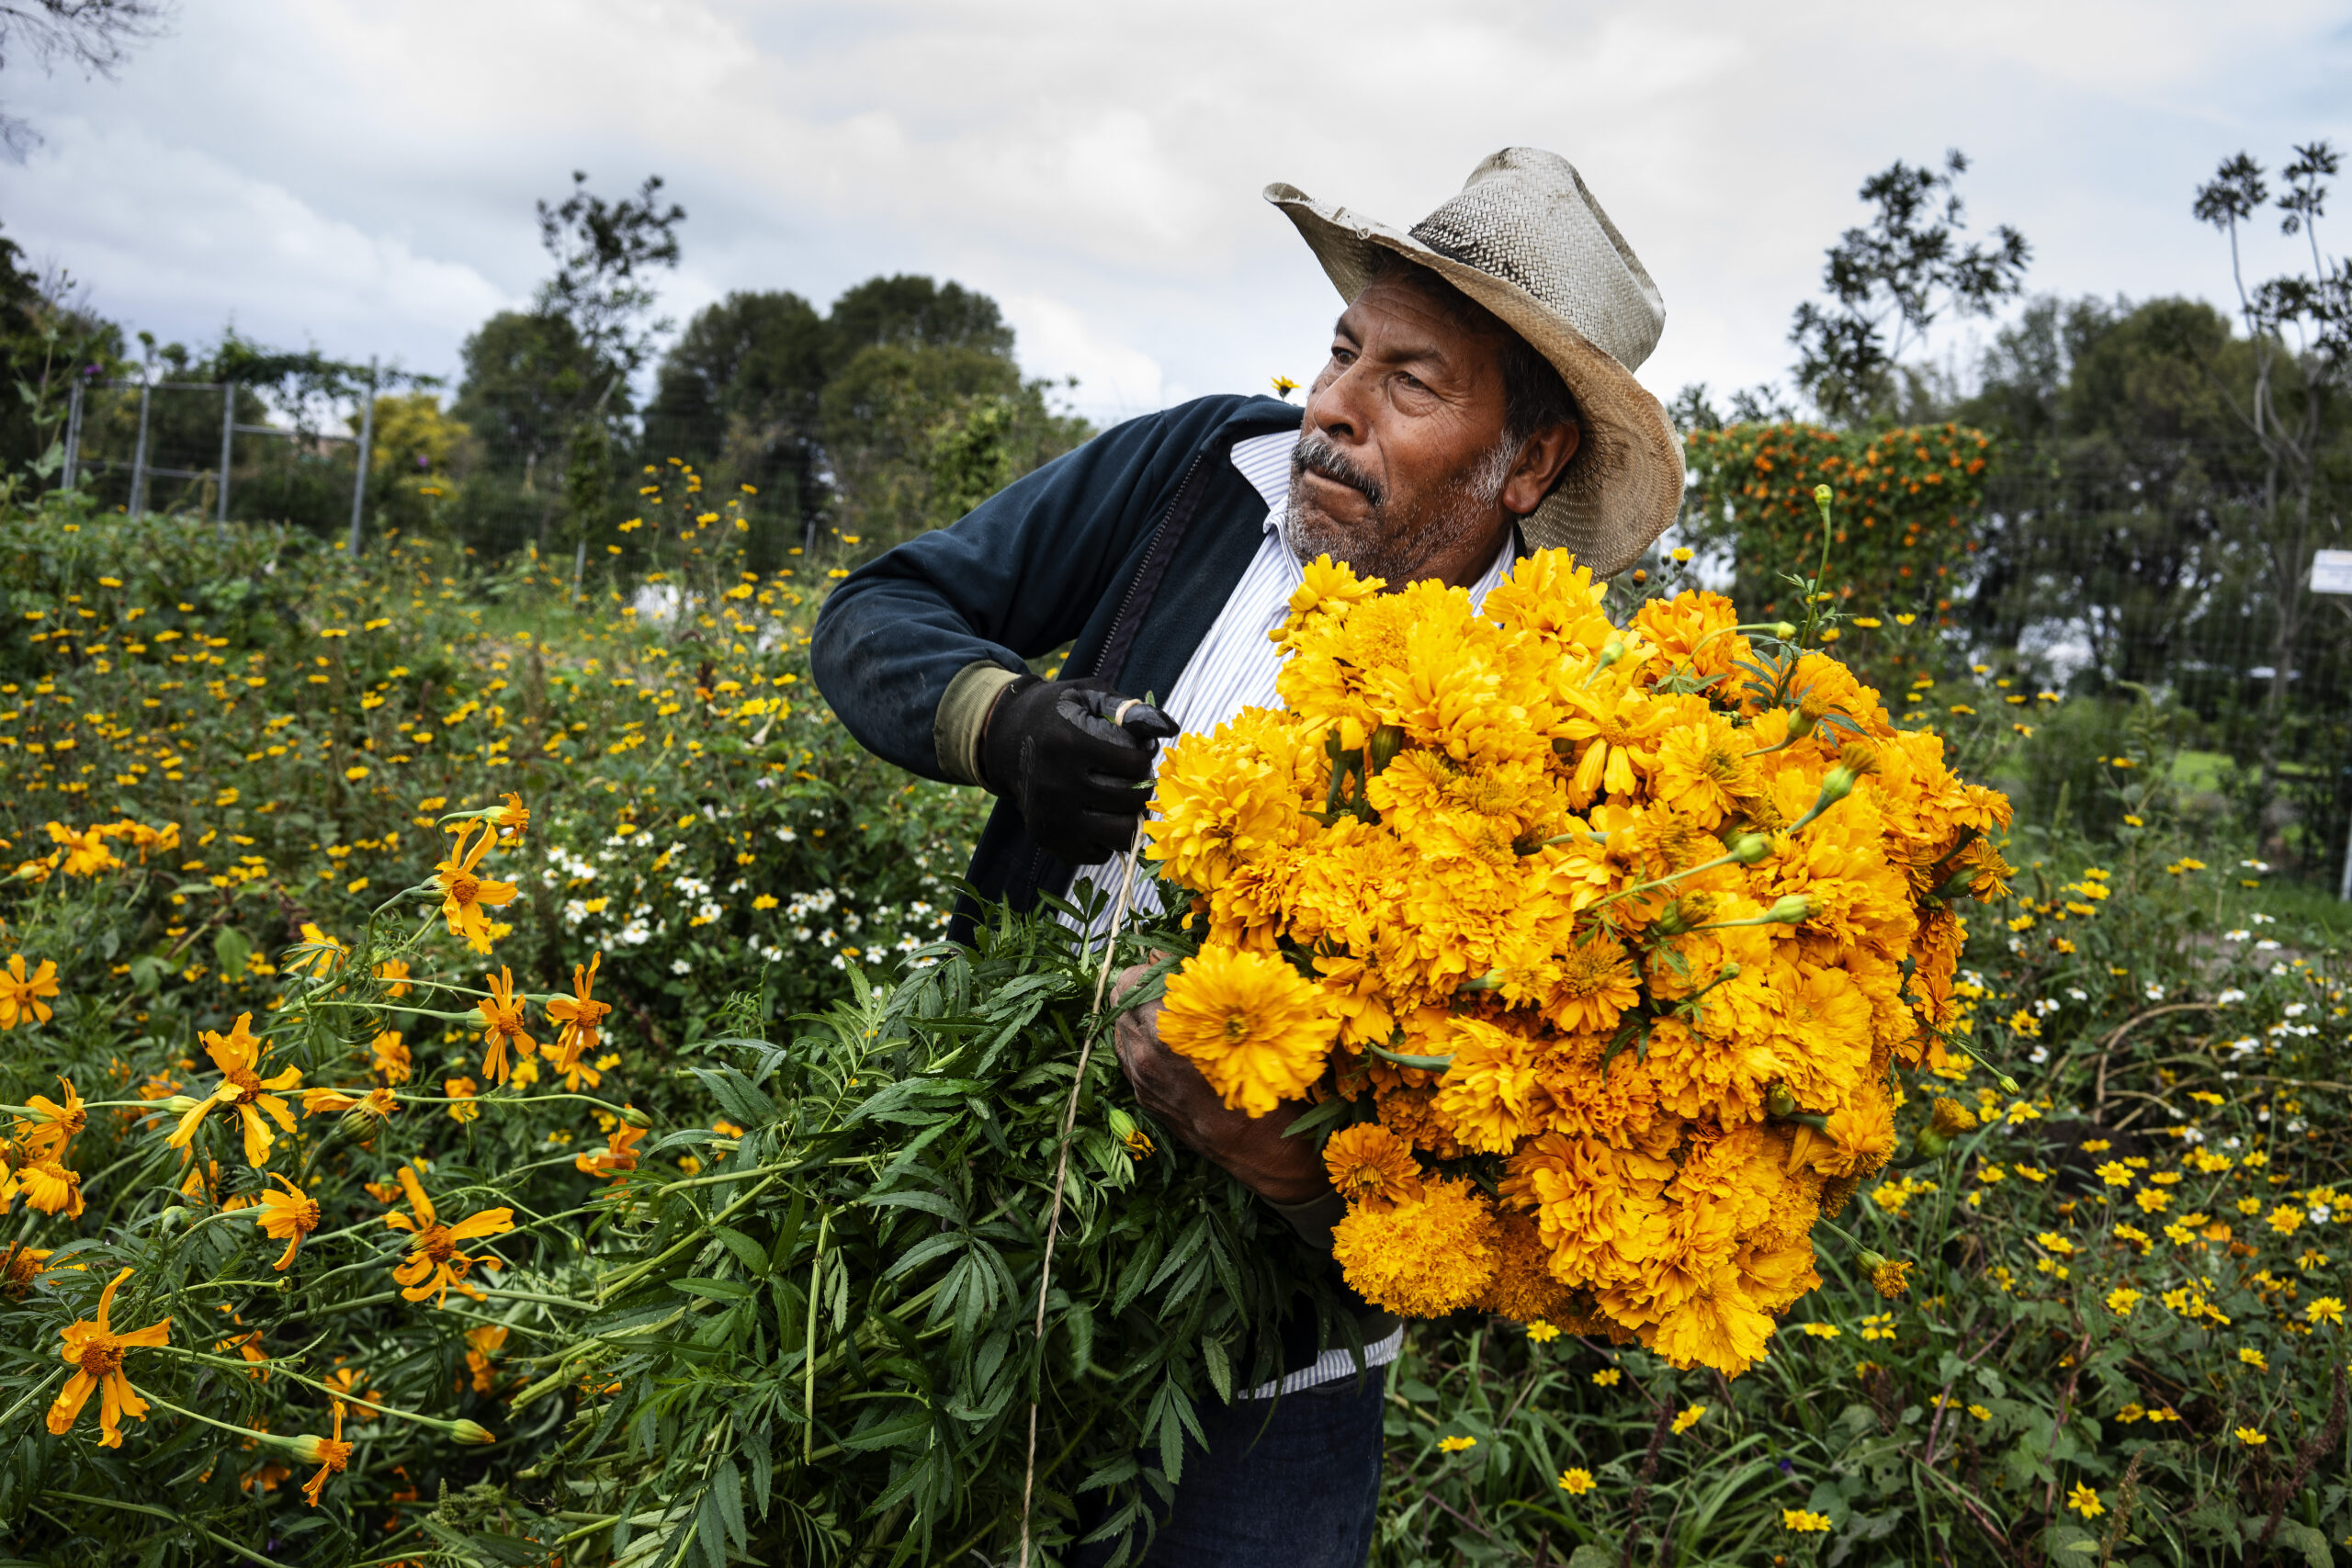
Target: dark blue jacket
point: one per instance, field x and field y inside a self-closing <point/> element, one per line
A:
<point x="1124" y="549"/>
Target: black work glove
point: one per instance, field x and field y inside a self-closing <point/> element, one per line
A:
<point x="1078" y="780"/>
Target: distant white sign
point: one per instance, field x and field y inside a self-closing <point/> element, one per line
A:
<point x="2331" y="571"/>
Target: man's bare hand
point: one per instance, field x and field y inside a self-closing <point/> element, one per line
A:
<point x="1253" y="1150"/>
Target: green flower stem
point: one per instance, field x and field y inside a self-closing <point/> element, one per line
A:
<point x="279" y="1369"/>
<point x="272" y="1438"/>
<point x="180" y="1520"/>
<point x="636" y="1271"/>
<point x="32" y="1395"/>
<point x="1427" y="1064"/>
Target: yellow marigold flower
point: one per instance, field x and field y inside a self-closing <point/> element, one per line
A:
<point x="579" y="1015"/>
<point x="47" y="1138"/>
<point x="1799" y="1520"/>
<point x="86" y="853"/>
<point x="395" y="972"/>
<point x="1686" y="1419"/>
<point x="512" y="819"/>
<point x="1423" y="1258"/>
<point x="1371" y="1166"/>
<point x="2251" y="1438"/>
<point x="483" y="1345"/>
<point x="618" y="1154"/>
<point x="435" y="1265"/>
<point x="242" y="1089"/>
<point x="1257" y="1028"/>
<point x="502" y="1020"/>
<point x="461" y="1091"/>
<point x="1891" y="1277"/>
<point x="21" y="993"/>
<point x="391" y="1058"/>
<point x="1457" y="1445"/>
<point x="1489" y="1099"/>
<point x="330" y="1454"/>
<point x="317" y="953"/>
<point x="1575" y="1482"/>
<point x="464" y="894"/>
<point x="94" y="1352"/>
<point x="2085" y="1500"/>
<point x="288" y="1216"/>
<point x="19" y="1267"/>
<point x="46" y="1185"/>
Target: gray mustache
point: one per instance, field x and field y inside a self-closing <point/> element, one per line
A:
<point x="1316" y="454"/>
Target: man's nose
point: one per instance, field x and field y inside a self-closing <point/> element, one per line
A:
<point x="1337" y="409"/>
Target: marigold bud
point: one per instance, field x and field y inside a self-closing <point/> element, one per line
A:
<point x="1950" y="1118"/>
<point x="1821" y="495"/>
<point x="1857" y="758"/>
<point x="1780" y="1102"/>
<point x="1792" y="909"/>
<point x="1749" y="847"/>
<point x="180" y="1104"/>
<point x="471" y="1432"/>
<point x="636" y="1118"/>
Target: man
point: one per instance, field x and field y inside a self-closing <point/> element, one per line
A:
<point x="1479" y="402"/>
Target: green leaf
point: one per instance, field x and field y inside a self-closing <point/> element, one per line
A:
<point x="713" y="1290"/>
<point x="1220" y="1370"/>
<point x="749" y="1252"/>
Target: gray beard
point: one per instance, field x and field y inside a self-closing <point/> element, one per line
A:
<point x="1395" y="542"/>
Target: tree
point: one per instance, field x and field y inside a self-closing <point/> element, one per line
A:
<point x="95" y="34"/>
<point x="603" y="252"/>
<point x="1888" y="283"/>
<point x="2290" y="407"/>
<point x="737" y="393"/>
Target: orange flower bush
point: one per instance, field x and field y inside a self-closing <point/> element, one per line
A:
<point x="1642" y="925"/>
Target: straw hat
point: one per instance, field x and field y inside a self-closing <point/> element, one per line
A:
<point x="1526" y="240"/>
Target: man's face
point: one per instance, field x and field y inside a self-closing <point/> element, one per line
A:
<point x="1401" y="469"/>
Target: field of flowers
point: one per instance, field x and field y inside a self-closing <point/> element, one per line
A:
<point x="478" y="1095"/>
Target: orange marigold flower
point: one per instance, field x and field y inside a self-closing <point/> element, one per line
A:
<point x="19" y="1267"/>
<point x="244" y="1090"/>
<point x="464" y="894"/>
<point x="481" y="1344"/>
<point x="377" y="1102"/>
<point x="390" y="1061"/>
<point x="317" y="954"/>
<point x="86" y="853"/>
<point x="578" y="1014"/>
<point x="1373" y="1166"/>
<point x="395" y="972"/>
<point x="21" y="993"/>
<point x="462" y="1091"/>
<point x="435" y="1265"/>
<point x="47" y="1138"/>
<point x="330" y="1454"/>
<point x="619" y="1152"/>
<point x="47" y="1186"/>
<point x="94" y="1352"/>
<point x="1424" y="1258"/>
<point x="288" y="1216"/>
<point x="514" y="818"/>
<point x="502" y="1021"/>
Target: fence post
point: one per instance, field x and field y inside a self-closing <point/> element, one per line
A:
<point x="139" y="458"/>
<point x="367" y="439"/>
<point x="228" y="431"/>
<point x="72" y="434"/>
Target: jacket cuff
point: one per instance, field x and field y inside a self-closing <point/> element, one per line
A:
<point x="963" y="714"/>
<point x="1313" y="1220"/>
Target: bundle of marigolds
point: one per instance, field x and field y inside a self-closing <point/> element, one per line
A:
<point x="1614" y="941"/>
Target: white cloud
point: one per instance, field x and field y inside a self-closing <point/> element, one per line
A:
<point x="363" y="173"/>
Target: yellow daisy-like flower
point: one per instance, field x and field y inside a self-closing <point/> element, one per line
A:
<point x="48" y="1138"/>
<point x="580" y="1015"/>
<point x="94" y="1352"/>
<point x="22" y="994"/>
<point x="1686" y="1419"/>
<point x="330" y="1454"/>
<point x="242" y="1089"/>
<point x="503" y="1022"/>
<point x="1424" y="1258"/>
<point x="1576" y="1482"/>
<point x="287" y="1216"/>
<point x="1256" y="1028"/>
<point x="1803" y="1522"/>
<point x="434" y="1266"/>
<point x="2085" y="1500"/>
<point x="1457" y="1445"/>
<point x="464" y="893"/>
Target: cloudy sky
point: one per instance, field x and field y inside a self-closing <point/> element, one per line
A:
<point x="360" y="175"/>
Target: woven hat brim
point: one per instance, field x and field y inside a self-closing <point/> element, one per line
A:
<point x="1624" y="485"/>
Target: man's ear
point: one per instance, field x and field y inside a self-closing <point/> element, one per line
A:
<point x="1540" y="459"/>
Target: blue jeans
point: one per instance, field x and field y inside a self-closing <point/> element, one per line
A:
<point x="1290" y="1483"/>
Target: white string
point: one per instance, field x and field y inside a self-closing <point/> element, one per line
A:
<point x="1061" y="1163"/>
